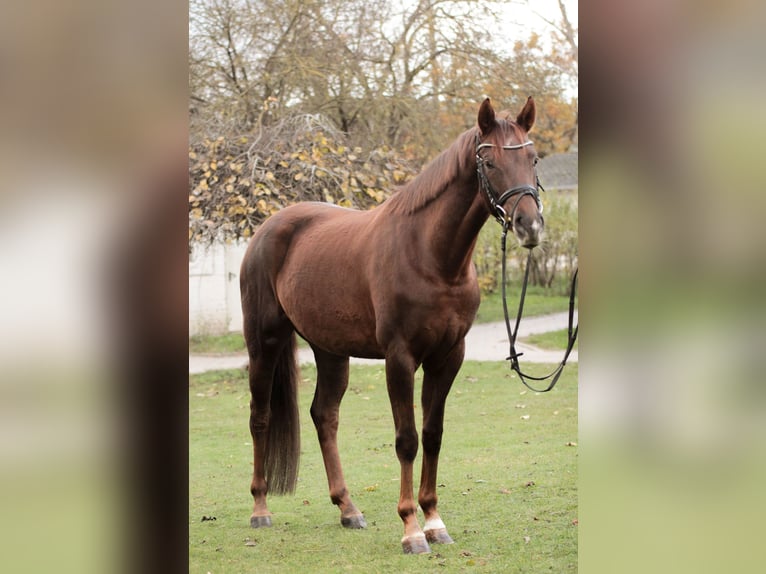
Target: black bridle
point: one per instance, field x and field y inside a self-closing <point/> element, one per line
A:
<point x="496" y="201"/>
<point x="498" y="212"/>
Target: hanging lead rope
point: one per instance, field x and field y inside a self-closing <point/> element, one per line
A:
<point x="513" y="333"/>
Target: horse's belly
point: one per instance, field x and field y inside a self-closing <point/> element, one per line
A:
<point x="326" y="299"/>
<point x="344" y="330"/>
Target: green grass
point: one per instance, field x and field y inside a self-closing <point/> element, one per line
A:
<point x="552" y="340"/>
<point x="228" y="343"/>
<point x="538" y="301"/>
<point x="508" y="484"/>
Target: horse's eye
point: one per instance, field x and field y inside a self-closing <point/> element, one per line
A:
<point x="489" y="164"/>
<point x="536" y="160"/>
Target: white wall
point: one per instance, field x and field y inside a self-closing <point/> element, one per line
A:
<point x="214" y="306"/>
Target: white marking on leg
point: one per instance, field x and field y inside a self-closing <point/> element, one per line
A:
<point x="434" y="524"/>
<point x="413" y="536"/>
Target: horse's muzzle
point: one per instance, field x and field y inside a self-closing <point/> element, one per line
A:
<point x="529" y="229"/>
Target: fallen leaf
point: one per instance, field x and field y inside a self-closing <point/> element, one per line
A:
<point x="571" y="444"/>
<point x="527" y="539"/>
<point x="524" y="417"/>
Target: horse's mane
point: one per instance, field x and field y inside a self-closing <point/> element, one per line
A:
<point x="435" y="177"/>
<point x="444" y="169"/>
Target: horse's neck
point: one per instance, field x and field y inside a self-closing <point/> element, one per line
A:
<point x="456" y="217"/>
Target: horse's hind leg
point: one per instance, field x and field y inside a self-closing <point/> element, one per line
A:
<point x="261" y="373"/>
<point x="267" y="348"/>
<point x="437" y="381"/>
<point x="332" y="380"/>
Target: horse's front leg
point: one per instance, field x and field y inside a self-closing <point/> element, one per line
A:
<point x="438" y="375"/>
<point x="332" y="380"/>
<point x="400" y="373"/>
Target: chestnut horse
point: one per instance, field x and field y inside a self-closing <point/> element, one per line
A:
<point x="395" y="283"/>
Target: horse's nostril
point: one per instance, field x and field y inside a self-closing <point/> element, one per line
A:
<point x="519" y="220"/>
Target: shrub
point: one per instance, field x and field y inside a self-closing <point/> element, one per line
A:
<point x="237" y="182"/>
<point x="553" y="261"/>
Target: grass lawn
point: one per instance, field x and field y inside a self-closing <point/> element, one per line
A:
<point x="507" y="480"/>
<point x="552" y="340"/>
<point x="538" y="302"/>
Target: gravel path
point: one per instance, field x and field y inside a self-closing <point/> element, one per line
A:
<point x="485" y="342"/>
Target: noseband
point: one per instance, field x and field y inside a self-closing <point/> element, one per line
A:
<point x="496" y="202"/>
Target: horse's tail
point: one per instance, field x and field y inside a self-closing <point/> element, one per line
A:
<point x="277" y="376"/>
<point x="283" y="447"/>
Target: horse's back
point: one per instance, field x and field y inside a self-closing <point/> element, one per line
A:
<point x="268" y="249"/>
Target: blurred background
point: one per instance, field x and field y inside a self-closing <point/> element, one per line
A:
<point x="102" y="106"/>
<point x="672" y="399"/>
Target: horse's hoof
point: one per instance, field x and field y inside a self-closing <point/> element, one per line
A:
<point x="438" y="536"/>
<point x="415" y="544"/>
<point x="355" y="521"/>
<point x="260" y="521"/>
<point x="436" y="532"/>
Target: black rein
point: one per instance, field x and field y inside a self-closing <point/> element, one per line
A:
<point x="513" y="333"/>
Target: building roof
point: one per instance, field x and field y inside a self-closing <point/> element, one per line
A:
<point x="558" y="171"/>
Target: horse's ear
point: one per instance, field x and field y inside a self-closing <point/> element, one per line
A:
<point x="526" y="117"/>
<point x="486" y="117"/>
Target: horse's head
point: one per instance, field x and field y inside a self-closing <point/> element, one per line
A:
<point x="506" y="161"/>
